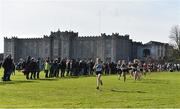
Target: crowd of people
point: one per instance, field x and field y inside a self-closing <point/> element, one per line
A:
<point x="58" y="67"/>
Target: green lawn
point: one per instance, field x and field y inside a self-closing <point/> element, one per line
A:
<point x="154" y="90"/>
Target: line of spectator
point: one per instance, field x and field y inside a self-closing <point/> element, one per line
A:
<point x="58" y="67"/>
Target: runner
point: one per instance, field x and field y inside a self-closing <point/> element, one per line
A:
<point x="98" y="68"/>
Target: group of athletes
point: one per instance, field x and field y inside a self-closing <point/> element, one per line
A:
<point x="136" y="70"/>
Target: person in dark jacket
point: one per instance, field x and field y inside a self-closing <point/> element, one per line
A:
<point x="63" y="67"/>
<point x="38" y="68"/>
<point x="33" y="68"/>
<point x="76" y="68"/>
<point x="8" y="68"/>
<point x="55" y="67"/>
<point x="27" y="67"/>
<point x="51" y="68"/>
<point x="107" y="68"/>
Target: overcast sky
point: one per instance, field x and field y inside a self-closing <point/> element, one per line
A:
<point x="143" y="20"/>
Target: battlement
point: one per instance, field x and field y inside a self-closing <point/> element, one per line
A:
<point x="62" y="33"/>
<point x="88" y="36"/>
<point x="116" y="36"/>
<point x="15" y="37"/>
<point x="73" y="34"/>
<point x="6" y="38"/>
<point x="137" y="43"/>
<point x="12" y="38"/>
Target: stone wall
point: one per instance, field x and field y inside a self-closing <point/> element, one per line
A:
<point x="87" y="47"/>
<point x="69" y="45"/>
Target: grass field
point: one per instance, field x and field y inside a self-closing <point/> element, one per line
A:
<point x="153" y="91"/>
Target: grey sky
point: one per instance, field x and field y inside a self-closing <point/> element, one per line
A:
<point x="143" y="20"/>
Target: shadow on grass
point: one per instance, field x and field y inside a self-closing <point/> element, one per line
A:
<point x="127" y="91"/>
<point x="49" y="79"/>
<point x="16" y="82"/>
<point x="154" y="81"/>
<point x="71" y="77"/>
<point x="59" y="78"/>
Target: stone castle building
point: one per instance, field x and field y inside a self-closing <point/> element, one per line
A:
<point x="70" y="45"/>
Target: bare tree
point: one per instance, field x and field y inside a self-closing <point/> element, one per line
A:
<point x="175" y="36"/>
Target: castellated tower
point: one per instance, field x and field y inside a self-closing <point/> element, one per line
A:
<point x="61" y="44"/>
